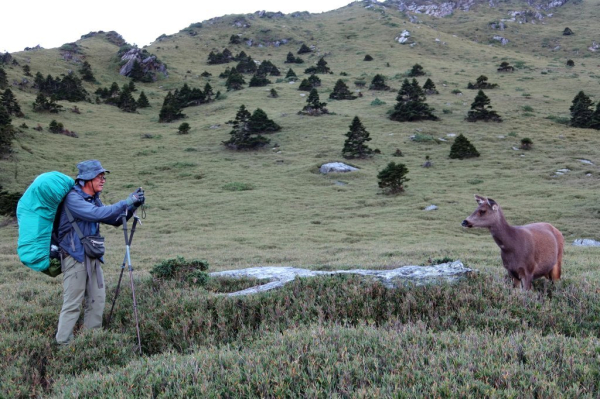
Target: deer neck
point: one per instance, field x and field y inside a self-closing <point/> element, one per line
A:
<point x="502" y="232"/>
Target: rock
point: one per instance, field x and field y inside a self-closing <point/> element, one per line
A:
<point x="336" y="167"/>
<point x="281" y="275"/>
<point x="586" y="161"/>
<point x="502" y="40"/>
<point x="586" y="242"/>
<point x="431" y="208"/>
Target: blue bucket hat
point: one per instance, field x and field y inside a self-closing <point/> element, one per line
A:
<point x="90" y="169"/>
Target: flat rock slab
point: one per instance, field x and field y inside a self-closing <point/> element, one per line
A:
<point x="586" y="242"/>
<point x="278" y="276"/>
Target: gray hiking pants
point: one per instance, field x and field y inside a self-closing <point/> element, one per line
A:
<point x="76" y="287"/>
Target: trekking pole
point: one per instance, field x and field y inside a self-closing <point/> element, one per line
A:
<point x="128" y="256"/>
<point x="136" y="219"/>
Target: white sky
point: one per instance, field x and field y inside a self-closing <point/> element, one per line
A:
<point x="52" y="23"/>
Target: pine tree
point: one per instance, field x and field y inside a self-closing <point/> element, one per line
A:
<point x="392" y="178"/>
<point x="142" y="101"/>
<point x="137" y="72"/>
<point x="355" y="144"/>
<point x="3" y="79"/>
<point x="273" y="93"/>
<point x="208" y="92"/>
<point x="314" y="80"/>
<point x="126" y="101"/>
<point x="314" y="106"/>
<point x="304" y="49"/>
<point x="481" y="110"/>
<point x="7" y="132"/>
<point x="171" y="109"/>
<point x="241" y="136"/>
<point x="235" y="39"/>
<point x="290" y="59"/>
<point x="429" y="87"/>
<point x="595" y="119"/>
<point x="462" y="148"/>
<point x="368" y="58"/>
<point x="411" y="104"/>
<point x="378" y="83"/>
<point x="246" y="65"/>
<point x="291" y="75"/>
<point x="86" y="72"/>
<point x="235" y="81"/>
<point x="259" y="122"/>
<point x="341" y="92"/>
<point x="581" y="110"/>
<point x="417" y="70"/>
<point x="259" y="81"/>
<point x="267" y="68"/>
<point x="321" y="67"/>
<point x="27" y="70"/>
<point x="481" y="83"/>
<point x="45" y="104"/>
<point x="305" y="85"/>
<point x="11" y="104"/>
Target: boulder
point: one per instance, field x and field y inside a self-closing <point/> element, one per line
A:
<point x="336" y="167"/>
<point x="586" y="242"/>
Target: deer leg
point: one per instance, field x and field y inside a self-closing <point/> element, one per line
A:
<point x="526" y="282"/>
<point x="516" y="282"/>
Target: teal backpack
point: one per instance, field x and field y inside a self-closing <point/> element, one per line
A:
<point x="36" y="213"/>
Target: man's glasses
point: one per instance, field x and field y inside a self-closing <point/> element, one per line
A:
<point x="101" y="177"/>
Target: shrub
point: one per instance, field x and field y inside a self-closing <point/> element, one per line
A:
<point x="184" y="128"/>
<point x="392" y="178"/>
<point x="259" y="81"/>
<point x="378" y="83"/>
<point x="481" y="83"/>
<point x="462" y="148"/>
<point x="304" y="49"/>
<point x="321" y="67"/>
<point x="570" y="63"/>
<point x="377" y="102"/>
<point x="273" y="93"/>
<point x="235" y="39"/>
<point x="368" y="58"/>
<point x="181" y="271"/>
<point x="56" y="127"/>
<point x="8" y="202"/>
<point x="237" y="186"/>
<point x="526" y="143"/>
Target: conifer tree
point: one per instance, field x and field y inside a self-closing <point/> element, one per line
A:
<point x="581" y="110"/>
<point x="314" y="80"/>
<point x="126" y="101"/>
<point x="368" y="58"/>
<point x="171" y="109"/>
<point x="246" y="65"/>
<point x="355" y="145"/>
<point x="314" y="106"/>
<point x="137" y="72"/>
<point x="595" y="119"/>
<point x="241" y="136"/>
<point x="411" y="104"/>
<point x="304" y="49"/>
<point x="7" y="131"/>
<point x="3" y="78"/>
<point x="392" y="178"/>
<point x="321" y="67"/>
<point x="86" y="72"/>
<point x="45" y="104"/>
<point x="481" y="110"/>
<point x="267" y="68"/>
<point x="378" y="83"/>
<point x="259" y="122"/>
<point x="11" y="104"/>
<point x="462" y="148"/>
<point x="208" y="92"/>
<point x="341" y="92"/>
<point x="291" y="75"/>
<point x="481" y="83"/>
<point x="273" y="93"/>
<point x="417" y="70"/>
<point x="305" y="85"/>
<point x="142" y="101"/>
<point x="429" y="87"/>
<point x="184" y="128"/>
<point x="259" y="81"/>
<point x="235" y="81"/>
<point x="56" y="127"/>
<point x="235" y="39"/>
<point x="27" y="70"/>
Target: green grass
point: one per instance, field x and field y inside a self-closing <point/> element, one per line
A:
<point x="347" y="337"/>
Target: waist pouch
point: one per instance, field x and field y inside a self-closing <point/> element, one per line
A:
<point x="93" y="246"/>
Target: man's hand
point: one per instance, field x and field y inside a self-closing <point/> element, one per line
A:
<point x="136" y="198"/>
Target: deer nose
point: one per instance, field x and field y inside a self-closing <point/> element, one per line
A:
<point x="465" y="223"/>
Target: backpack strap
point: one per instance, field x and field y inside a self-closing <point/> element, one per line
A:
<point x="72" y="221"/>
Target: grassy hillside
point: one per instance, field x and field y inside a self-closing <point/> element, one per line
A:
<point x="293" y="215"/>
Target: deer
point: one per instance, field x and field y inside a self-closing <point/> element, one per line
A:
<point x="528" y="252"/>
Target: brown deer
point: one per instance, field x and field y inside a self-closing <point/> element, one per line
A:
<point x="528" y="252"/>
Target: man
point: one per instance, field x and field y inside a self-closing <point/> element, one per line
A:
<point x="82" y="276"/>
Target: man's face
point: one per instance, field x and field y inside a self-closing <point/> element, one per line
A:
<point x="98" y="182"/>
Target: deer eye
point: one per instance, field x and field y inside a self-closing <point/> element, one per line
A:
<point x="482" y="212"/>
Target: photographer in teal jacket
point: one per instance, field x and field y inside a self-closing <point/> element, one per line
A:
<point x="79" y="281"/>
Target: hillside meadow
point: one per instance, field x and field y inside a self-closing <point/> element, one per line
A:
<point x="336" y="336"/>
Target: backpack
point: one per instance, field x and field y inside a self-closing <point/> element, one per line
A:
<point x="37" y="217"/>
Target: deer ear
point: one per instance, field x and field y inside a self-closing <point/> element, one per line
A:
<point x="493" y="204"/>
<point x="480" y="200"/>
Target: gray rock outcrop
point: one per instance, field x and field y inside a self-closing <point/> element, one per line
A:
<point x="278" y="276"/>
<point x="336" y="167"/>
